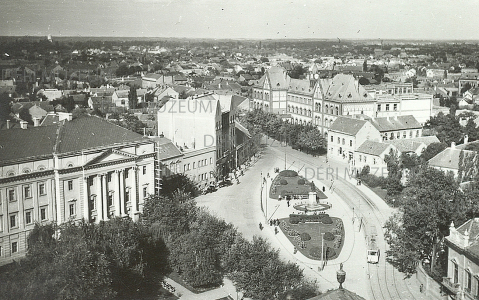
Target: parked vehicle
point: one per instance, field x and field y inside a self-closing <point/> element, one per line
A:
<point x="210" y="189"/>
<point x="226" y="182"/>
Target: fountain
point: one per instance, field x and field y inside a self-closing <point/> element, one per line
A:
<point x="312" y="204"/>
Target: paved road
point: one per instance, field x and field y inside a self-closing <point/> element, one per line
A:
<point x="240" y="205"/>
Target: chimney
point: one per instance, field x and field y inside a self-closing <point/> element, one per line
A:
<point x="70" y="116"/>
<point x="23" y="124"/>
<point x="8" y="124"/>
<point x="453" y="145"/>
<point x="466" y="139"/>
<point x="36" y="122"/>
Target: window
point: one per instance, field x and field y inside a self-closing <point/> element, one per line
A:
<point x="0" y="251"/>
<point x="410" y="133"/>
<point x="404" y="135"/>
<point x="1" y="225"/>
<point x="395" y="107"/>
<point x="110" y="199"/>
<point x="332" y="139"/>
<point x="194" y="164"/>
<point x="27" y="192"/>
<point x="28" y="217"/>
<point x="71" y="209"/>
<point x="417" y="133"/>
<point x="145" y="192"/>
<point x="350" y="143"/>
<point x="184" y="168"/>
<point x="126" y="173"/>
<point x="360" y="157"/>
<point x="11" y="195"/>
<point x="468" y="281"/>
<point x="339" y="140"/>
<point x="211" y="160"/>
<point x="13" y="220"/>
<point x="456" y="273"/>
<point x="41" y="189"/>
<point x="387" y="107"/>
<point x="398" y="135"/>
<point x="127" y="195"/>
<point x="70" y="185"/>
<point x="189" y="167"/>
<point x="343" y="141"/>
<point x="374" y="160"/>
<point x="379" y="107"/>
<point x="108" y="177"/>
<point x="144" y="170"/>
<point x="92" y="202"/>
<point x="14" y="247"/>
<point x="43" y="213"/>
<point x="476" y="279"/>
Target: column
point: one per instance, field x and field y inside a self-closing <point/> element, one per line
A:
<point x="116" y="196"/>
<point x="86" y="200"/>
<point x="122" y="193"/>
<point x="99" y="199"/>
<point x="104" y="190"/>
<point x="134" y="192"/>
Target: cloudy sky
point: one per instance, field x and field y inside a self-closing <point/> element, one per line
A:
<point x="256" y="19"/>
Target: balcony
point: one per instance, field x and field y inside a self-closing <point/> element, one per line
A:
<point x="454" y="288"/>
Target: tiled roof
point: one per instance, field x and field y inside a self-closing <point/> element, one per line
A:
<point x="345" y="88"/>
<point x="23" y="143"/>
<point x="166" y="149"/>
<point x="278" y="78"/>
<point x="373" y="148"/>
<point x="448" y="158"/>
<point x="300" y="86"/>
<point x="347" y="125"/>
<point x="152" y="76"/>
<point x="395" y="123"/>
<point x="93" y="132"/>
<point x="411" y="145"/>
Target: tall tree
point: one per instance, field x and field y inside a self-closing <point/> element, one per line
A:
<point x="132" y="98"/>
<point x="5" y="106"/>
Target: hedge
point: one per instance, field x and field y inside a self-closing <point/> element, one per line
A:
<point x="295" y="219"/>
<point x="288" y="173"/>
<point x="283" y="182"/>
<point x="301" y="181"/>
<point x="326" y="220"/>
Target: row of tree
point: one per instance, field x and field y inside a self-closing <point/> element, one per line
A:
<point x="122" y="259"/>
<point x="306" y="138"/>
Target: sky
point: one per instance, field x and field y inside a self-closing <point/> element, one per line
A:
<point x="247" y="19"/>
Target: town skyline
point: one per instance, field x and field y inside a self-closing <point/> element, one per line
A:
<point x="243" y="19"/>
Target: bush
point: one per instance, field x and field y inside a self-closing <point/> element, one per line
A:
<point x="326" y="220"/>
<point x="295" y="219"/>
<point x="315" y="252"/>
<point x="293" y="233"/>
<point x="283" y="182"/>
<point x="305" y="236"/>
<point x="328" y="236"/>
<point x="301" y="181"/>
<point x="288" y="173"/>
<point x="330" y="253"/>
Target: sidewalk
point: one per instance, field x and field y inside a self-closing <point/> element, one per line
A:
<point x="226" y="290"/>
<point x="351" y="254"/>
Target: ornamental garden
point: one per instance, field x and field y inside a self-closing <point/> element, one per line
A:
<point x="310" y="229"/>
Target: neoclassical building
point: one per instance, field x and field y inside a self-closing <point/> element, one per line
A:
<point x="86" y="168"/>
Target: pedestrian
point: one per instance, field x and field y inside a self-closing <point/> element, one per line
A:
<point x="287" y="202"/>
<point x="276" y="230"/>
<point x="270" y="222"/>
<point x="260" y="226"/>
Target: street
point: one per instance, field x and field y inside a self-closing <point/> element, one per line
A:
<point x="240" y="204"/>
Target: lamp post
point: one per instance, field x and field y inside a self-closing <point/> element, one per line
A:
<point x="341" y="276"/>
<point x="322" y="248"/>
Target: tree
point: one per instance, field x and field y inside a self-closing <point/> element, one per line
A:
<point x="177" y="182"/>
<point x="431" y="201"/>
<point x="132" y="98"/>
<point x="393" y="183"/>
<point x="432" y="150"/>
<point x="25" y="115"/>
<point x="5" y="106"/>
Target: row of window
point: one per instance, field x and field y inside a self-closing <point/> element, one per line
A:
<point x="260" y="95"/>
<point x="300" y="99"/>
<point x="202" y="177"/>
<point x="366" y="159"/>
<point x="332" y="110"/>
<point x="13" y="218"/>
<point x="27" y="192"/>
<point x="397" y="135"/>
<point x="468" y="280"/>
<point x="300" y="111"/>
<point x="395" y="107"/>
<point x="343" y="141"/>
<point x="201" y="163"/>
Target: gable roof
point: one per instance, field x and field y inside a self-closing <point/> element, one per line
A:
<point x="345" y="88"/>
<point x="166" y="148"/>
<point x="395" y="123"/>
<point x="448" y="158"/>
<point x="347" y="125"/>
<point x="301" y="86"/>
<point x="278" y="78"/>
<point x="374" y="148"/>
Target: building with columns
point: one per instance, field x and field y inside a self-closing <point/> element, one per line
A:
<point x="86" y="168"/>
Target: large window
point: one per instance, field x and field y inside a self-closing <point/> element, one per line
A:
<point x="41" y="189"/>
<point x="387" y="107"/>
<point x="13" y="220"/>
<point x="27" y="192"/>
<point x="14" y="247"/>
<point x="70" y="185"/>
<point x="43" y="213"/>
<point x="28" y="217"/>
<point x="468" y="281"/>
<point x="11" y="195"/>
<point x="71" y="209"/>
<point x="456" y="272"/>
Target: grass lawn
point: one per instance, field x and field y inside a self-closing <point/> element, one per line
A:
<point x="313" y="229"/>
<point x="292" y="187"/>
